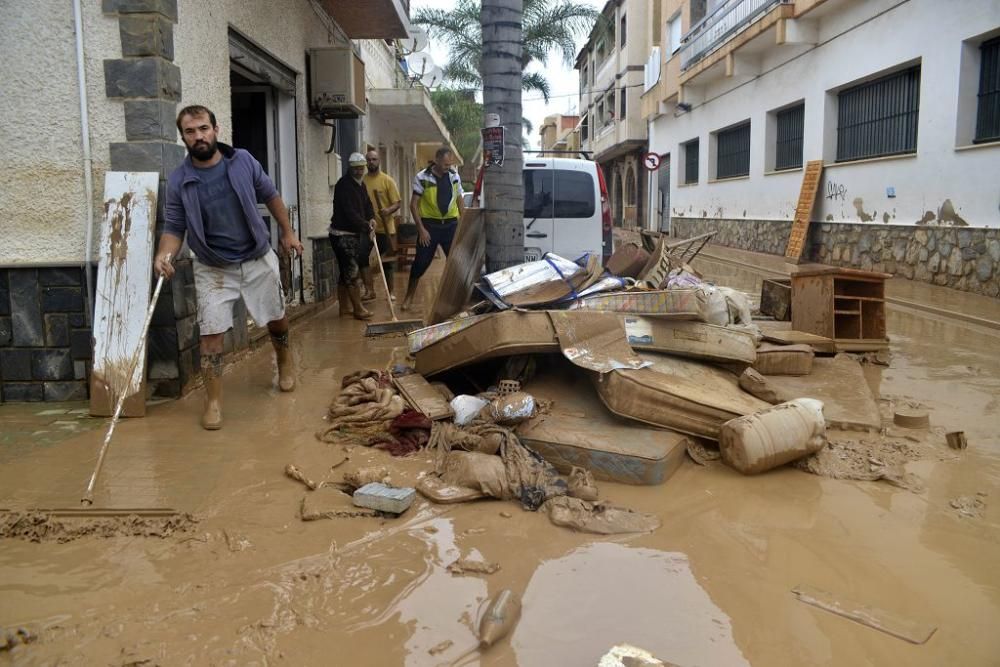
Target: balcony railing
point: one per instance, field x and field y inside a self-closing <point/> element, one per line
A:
<point x="720" y="26"/>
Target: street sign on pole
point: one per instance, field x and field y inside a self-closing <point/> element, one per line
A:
<point x="493" y="146"/>
<point x="651" y="161"/>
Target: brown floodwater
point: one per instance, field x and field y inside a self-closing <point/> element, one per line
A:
<point x="252" y="584"/>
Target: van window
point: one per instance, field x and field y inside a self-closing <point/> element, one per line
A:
<point x="537" y="193"/>
<point x="574" y="194"/>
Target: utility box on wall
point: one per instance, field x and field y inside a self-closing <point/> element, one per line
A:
<point x="336" y="82"/>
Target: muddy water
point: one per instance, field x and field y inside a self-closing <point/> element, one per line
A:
<point x="254" y="585"/>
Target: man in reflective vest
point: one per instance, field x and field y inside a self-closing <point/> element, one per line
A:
<point x="436" y="206"/>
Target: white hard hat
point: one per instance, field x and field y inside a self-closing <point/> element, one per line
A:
<point x="357" y="160"/>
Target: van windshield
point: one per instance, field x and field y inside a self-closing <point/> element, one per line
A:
<point x="558" y="193"/>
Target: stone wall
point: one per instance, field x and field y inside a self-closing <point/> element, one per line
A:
<point x="45" y="347"/>
<point x="962" y="258"/>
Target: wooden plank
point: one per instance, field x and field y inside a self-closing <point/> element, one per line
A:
<point x="803" y="210"/>
<point x="782" y="334"/>
<point x="462" y="268"/>
<point x="125" y="258"/>
<point x="812" y="305"/>
<point x="888" y="622"/>
<point x="423" y="397"/>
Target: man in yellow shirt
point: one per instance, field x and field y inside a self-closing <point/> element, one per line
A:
<point x="386" y="203"/>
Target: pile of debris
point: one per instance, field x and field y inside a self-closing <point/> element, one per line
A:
<point x="569" y="372"/>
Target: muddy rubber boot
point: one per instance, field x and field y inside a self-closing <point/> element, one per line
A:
<point x="211" y="420"/>
<point x="360" y="312"/>
<point x="344" y="299"/>
<point x="286" y="367"/>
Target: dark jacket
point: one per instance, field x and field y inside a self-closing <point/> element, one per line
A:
<point x="183" y="211"/>
<point x="352" y="208"/>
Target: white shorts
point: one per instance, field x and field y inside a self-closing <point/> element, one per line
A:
<point x="258" y="281"/>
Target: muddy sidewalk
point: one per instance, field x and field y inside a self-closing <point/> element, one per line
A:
<point x="250" y="583"/>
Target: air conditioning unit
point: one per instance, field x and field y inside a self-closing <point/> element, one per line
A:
<point x="336" y="82"/>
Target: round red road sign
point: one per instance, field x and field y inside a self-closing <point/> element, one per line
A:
<point x="651" y="161"/>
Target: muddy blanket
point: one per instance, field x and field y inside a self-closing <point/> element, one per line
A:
<point x="363" y="409"/>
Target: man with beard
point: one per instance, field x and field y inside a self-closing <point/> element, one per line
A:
<point x="352" y="222"/>
<point x="212" y="200"/>
<point x="384" y="196"/>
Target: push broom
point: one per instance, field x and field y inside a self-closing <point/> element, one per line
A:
<point x="396" y="326"/>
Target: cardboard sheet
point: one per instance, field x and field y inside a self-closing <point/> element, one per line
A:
<point x="462" y="268"/>
<point x="579" y="431"/>
<point x="675" y="393"/>
<point x="595" y="341"/>
<point x="690" y="339"/>
<point x="840" y="383"/>
<point x="422" y="397"/>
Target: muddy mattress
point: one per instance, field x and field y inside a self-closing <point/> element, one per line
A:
<point x="577" y="430"/>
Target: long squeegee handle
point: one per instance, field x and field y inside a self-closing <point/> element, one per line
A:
<point x="88" y="497"/>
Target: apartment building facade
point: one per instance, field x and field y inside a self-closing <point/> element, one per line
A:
<point x="612" y="129"/>
<point x="900" y="100"/>
<point x="102" y="95"/>
<point x="559" y="136"/>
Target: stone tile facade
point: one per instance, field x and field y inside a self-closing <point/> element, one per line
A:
<point x="45" y="346"/>
<point x="325" y="273"/>
<point x="963" y="258"/>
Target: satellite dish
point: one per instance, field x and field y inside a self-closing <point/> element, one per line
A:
<point x="417" y="41"/>
<point x="431" y="77"/>
<point x="418" y="63"/>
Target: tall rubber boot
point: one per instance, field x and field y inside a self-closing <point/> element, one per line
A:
<point x="344" y="298"/>
<point x="211" y="420"/>
<point x="360" y="312"/>
<point x="286" y="367"/>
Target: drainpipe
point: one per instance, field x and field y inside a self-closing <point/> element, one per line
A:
<point x="88" y="186"/>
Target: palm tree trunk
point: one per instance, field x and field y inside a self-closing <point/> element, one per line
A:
<point x="504" y="189"/>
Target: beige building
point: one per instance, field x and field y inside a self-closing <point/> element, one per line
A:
<point x="288" y="81"/>
<point x="612" y="128"/>
<point x="559" y="136"/>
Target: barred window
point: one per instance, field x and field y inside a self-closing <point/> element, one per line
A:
<point x="691" y="161"/>
<point x="879" y="117"/>
<point x="988" y="107"/>
<point x="789" y="125"/>
<point x="732" y="151"/>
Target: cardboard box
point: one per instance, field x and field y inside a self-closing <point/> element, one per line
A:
<point x="690" y="339"/>
<point x="577" y="430"/>
<point x="628" y="260"/>
<point x="679" y="394"/>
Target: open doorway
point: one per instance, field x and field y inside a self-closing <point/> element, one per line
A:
<point x="263" y="103"/>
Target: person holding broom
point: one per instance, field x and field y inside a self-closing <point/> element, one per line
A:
<point x="353" y="220"/>
<point x="212" y="202"/>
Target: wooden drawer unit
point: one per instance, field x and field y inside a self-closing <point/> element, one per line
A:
<point x="847" y="305"/>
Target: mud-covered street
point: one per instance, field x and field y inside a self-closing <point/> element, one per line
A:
<point x="250" y="583"/>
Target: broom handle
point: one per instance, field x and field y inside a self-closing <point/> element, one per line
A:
<point x="385" y="283"/>
<point x="88" y="497"/>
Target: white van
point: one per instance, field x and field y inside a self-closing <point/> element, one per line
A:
<point x="566" y="209"/>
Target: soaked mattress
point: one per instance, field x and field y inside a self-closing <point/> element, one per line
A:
<point x="690" y="339"/>
<point x="678" y="394"/>
<point x="577" y="430"/>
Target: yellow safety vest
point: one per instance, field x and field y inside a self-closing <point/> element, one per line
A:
<point x="425" y="185"/>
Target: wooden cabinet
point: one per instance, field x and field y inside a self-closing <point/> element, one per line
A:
<point x="846" y="305"/>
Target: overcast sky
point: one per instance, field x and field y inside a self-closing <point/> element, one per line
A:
<point x="563" y="80"/>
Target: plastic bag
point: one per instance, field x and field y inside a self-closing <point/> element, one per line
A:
<point x="466" y="408"/>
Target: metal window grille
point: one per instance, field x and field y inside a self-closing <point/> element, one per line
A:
<point x="691" y="162"/>
<point x="879" y="117"/>
<point x="788" y="137"/>
<point x="623" y="104"/>
<point x="988" y="108"/>
<point x="732" y="152"/>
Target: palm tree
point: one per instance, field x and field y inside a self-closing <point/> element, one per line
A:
<point x="502" y="70"/>
<point x="547" y="26"/>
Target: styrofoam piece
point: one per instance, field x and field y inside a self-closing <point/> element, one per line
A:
<point x="378" y="496"/>
<point x="466" y="408"/>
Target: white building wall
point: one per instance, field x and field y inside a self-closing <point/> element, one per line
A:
<point x="42" y="200"/>
<point x="856" y="40"/>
